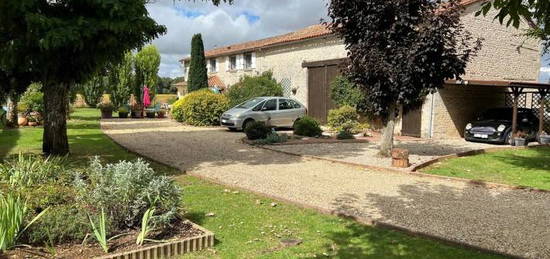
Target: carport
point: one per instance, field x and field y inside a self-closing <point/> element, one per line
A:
<point x="517" y="94"/>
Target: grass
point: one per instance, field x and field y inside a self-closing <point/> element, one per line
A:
<point x="525" y="167"/>
<point x="245" y="224"/>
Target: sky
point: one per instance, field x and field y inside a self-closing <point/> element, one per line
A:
<point x="242" y="21"/>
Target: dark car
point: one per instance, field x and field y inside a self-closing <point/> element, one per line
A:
<point x="495" y="126"/>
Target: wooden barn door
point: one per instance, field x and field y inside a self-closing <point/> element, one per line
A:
<point x="412" y="123"/>
<point x="319" y="99"/>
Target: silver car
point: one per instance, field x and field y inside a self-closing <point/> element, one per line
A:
<point x="274" y="111"/>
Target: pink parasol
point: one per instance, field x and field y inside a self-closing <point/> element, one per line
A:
<point x="146" y="98"/>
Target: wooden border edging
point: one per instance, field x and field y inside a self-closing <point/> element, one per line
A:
<point x="170" y="249"/>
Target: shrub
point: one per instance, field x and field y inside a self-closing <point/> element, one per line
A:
<point x="257" y="130"/>
<point x="200" y="108"/>
<point x="345" y="92"/>
<point x="345" y="134"/>
<point x="30" y="170"/>
<point x="273" y="138"/>
<point x="343" y="116"/>
<point x="62" y="224"/>
<point x="32" y="100"/>
<point x="249" y="87"/>
<point x="126" y="190"/>
<point x="307" y="126"/>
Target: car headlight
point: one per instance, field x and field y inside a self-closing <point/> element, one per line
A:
<point x="468" y="126"/>
<point x="501" y="128"/>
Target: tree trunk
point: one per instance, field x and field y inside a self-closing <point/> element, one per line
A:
<point x="55" y="140"/>
<point x="386" y="143"/>
<point x="12" y="115"/>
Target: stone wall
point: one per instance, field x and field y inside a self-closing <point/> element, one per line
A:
<point x="456" y="105"/>
<point x="505" y="54"/>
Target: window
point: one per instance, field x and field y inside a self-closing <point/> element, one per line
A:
<point x="270" y="105"/>
<point x="248" y="61"/>
<point x="294" y="104"/>
<point x="233" y="63"/>
<point x="284" y="104"/>
<point x="213" y="66"/>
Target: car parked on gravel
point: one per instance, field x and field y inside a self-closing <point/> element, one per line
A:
<point x="277" y="112"/>
<point x="495" y="126"/>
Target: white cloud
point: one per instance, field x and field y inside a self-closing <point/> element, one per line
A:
<point x="227" y="24"/>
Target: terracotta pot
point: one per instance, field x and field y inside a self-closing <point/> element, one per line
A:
<point x="33" y="123"/>
<point x="161" y="114"/>
<point x="22" y="121"/>
<point x="123" y="115"/>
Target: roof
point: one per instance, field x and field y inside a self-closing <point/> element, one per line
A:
<point x="215" y="81"/>
<point x="310" y="32"/>
<point x="500" y="83"/>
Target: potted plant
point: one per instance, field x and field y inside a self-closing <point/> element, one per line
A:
<point x="150" y="113"/>
<point x="123" y="112"/>
<point x="136" y="110"/>
<point x="520" y="139"/>
<point x="33" y="120"/>
<point x="106" y="110"/>
<point x="161" y="113"/>
<point x="544" y="139"/>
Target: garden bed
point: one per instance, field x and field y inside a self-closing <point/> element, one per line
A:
<point x="184" y="237"/>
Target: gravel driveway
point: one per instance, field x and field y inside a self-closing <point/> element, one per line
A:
<point x="367" y="153"/>
<point x="509" y="221"/>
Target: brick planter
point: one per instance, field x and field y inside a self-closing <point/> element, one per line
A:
<point x="170" y="249"/>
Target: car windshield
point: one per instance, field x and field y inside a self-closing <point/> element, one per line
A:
<point x="250" y="103"/>
<point x="497" y="114"/>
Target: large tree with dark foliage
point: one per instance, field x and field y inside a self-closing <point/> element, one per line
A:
<point x="198" y="74"/>
<point x="535" y="13"/>
<point x="401" y="50"/>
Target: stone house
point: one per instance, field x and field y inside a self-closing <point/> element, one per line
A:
<point x="306" y="61"/>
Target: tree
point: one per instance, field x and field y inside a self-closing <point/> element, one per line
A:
<point x="121" y="79"/>
<point x="535" y="13"/>
<point x="65" y="42"/>
<point x="249" y="87"/>
<point x="147" y="62"/>
<point x="93" y="90"/>
<point x="198" y="74"/>
<point x="400" y="51"/>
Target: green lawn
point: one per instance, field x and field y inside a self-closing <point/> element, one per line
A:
<point x="246" y="225"/>
<point x="526" y="167"/>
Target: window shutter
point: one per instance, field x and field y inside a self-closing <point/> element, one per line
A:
<point x="240" y="62"/>
<point x="227" y="61"/>
<point x="253" y="59"/>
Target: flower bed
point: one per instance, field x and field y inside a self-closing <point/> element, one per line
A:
<point x="63" y="211"/>
<point x="186" y="237"/>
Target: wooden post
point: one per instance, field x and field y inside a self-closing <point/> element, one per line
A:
<point x="516" y="91"/>
<point x="400" y="157"/>
<point x="543" y="93"/>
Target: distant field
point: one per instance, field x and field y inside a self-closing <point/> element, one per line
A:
<point x="165" y="98"/>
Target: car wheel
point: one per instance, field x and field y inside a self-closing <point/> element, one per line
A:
<point x="294" y="124"/>
<point x="232" y="129"/>
<point x="246" y="123"/>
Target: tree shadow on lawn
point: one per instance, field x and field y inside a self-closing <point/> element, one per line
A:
<point x="510" y="221"/>
<point x="8" y="141"/>
<point x="536" y="158"/>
